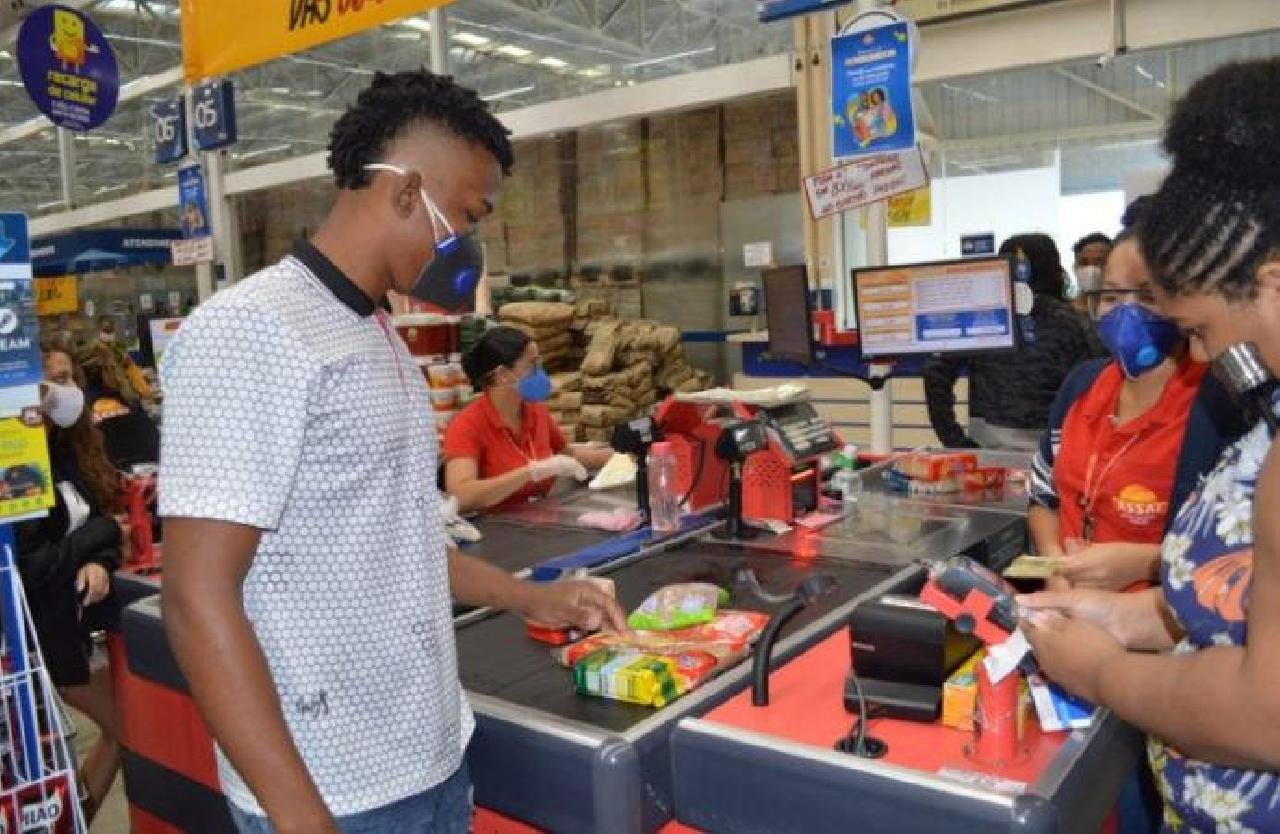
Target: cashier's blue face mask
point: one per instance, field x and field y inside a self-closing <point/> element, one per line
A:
<point x="1138" y="338"/>
<point x="535" y="386"/>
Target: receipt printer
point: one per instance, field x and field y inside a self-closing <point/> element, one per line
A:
<point x="903" y="652"/>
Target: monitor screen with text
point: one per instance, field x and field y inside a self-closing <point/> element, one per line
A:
<point x="962" y="306"/>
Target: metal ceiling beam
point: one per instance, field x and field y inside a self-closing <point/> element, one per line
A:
<point x="628" y="48"/>
<point x="134" y="89"/>
<point x="1108" y="93"/>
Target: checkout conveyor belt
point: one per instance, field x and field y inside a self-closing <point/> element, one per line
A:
<point x="516" y="546"/>
<point x="606" y="762"/>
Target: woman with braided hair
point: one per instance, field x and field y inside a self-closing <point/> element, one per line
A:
<point x="1196" y="662"/>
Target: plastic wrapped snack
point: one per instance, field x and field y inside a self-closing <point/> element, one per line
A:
<point x="726" y="637"/>
<point x="677" y="606"/>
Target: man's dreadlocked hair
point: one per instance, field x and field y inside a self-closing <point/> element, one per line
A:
<point x="1216" y="219"/>
<point x="393" y="103"/>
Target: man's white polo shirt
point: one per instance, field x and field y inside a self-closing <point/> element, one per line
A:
<point x="291" y="405"/>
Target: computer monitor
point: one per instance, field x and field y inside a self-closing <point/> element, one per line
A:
<point x="788" y="313"/>
<point x="955" y="307"/>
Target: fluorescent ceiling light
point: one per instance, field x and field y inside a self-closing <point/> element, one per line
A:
<point x="415" y="23"/>
<point x="676" y="57"/>
<point x="554" y="63"/>
<point x="513" y="51"/>
<point x="49" y="205"/>
<point x="5" y="54"/>
<point x="406" y="36"/>
<point x="107" y="189"/>
<point x="508" y="93"/>
<point x="9" y="82"/>
<point x="470" y="38"/>
<point x="281" y="91"/>
<point x="594" y="72"/>
<point x="315" y="94"/>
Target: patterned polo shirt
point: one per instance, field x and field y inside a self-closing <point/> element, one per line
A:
<point x="292" y="406"/>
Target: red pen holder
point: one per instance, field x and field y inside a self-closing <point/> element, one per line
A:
<point x="996" y="739"/>
<point x="140" y="491"/>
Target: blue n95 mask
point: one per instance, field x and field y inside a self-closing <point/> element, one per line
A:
<point x="449" y="279"/>
<point x="1137" y="338"/>
<point x="535" y="386"/>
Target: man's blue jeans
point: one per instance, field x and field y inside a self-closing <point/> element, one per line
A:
<point x="445" y="809"/>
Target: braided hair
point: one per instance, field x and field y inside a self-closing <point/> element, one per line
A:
<point x="1216" y="219"/>
<point x="392" y="104"/>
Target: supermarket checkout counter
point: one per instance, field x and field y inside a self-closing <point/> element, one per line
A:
<point x="170" y="775"/>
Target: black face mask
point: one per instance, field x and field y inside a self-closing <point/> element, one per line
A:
<point x="449" y="279"/>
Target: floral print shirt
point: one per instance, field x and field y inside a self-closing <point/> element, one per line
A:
<point x="1207" y="574"/>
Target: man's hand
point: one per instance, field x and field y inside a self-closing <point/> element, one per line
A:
<point x="1071" y="651"/>
<point x="1107" y="567"/>
<point x="575" y="603"/>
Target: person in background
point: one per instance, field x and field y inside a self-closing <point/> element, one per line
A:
<point x="1196" y="663"/>
<point x="1091" y="253"/>
<point x="1010" y="392"/>
<point x="307" y="571"/>
<point x="504" y="448"/>
<point x="66" y="560"/>
<point x="114" y="405"/>
<point x="1129" y="438"/>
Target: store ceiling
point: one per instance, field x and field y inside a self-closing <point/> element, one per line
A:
<point x="521" y="52"/>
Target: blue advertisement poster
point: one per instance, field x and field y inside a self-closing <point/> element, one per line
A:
<point x="20" y="363"/>
<point x="193" y="202"/>
<point x="68" y="68"/>
<point x="871" y="92"/>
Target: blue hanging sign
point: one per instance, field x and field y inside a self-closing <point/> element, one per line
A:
<point x="193" y="202"/>
<point x="169" y="130"/>
<point x="871" y="103"/>
<point x="213" y="110"/>
<point x="20" y="362"/>
<point x="68" y="68"/>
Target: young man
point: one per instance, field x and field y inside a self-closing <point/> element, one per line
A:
<point x="307" y="574"/>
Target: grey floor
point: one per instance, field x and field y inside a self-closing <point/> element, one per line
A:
<point x="113" y="817"/>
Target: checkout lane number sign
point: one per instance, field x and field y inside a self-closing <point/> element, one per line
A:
<point x="68" y="68"/>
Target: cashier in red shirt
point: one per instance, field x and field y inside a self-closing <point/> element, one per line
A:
<point x="1129" y="438"/>
<point x="504" y="449"/>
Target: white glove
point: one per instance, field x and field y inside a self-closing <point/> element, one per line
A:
<point x="557" y="466"/>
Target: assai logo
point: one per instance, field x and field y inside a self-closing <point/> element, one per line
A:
<point x="42" y="817"/>
<point x="1139" y="505"/>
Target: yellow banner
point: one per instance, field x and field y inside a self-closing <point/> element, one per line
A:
<point x="219" y="36"/>
<point x="55" y="296"/>
<point x="914" y="208"/>
<point x="26" y="488"/>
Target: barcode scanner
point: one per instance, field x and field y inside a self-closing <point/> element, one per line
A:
<point x="1242" y="372"/>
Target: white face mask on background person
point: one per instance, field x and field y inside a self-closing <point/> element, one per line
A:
<point x="1088" y="279"/>
<point x="63" y="403"/>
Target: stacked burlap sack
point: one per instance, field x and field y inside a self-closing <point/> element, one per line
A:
<point x="566" y="404"/>
<point x="549" y="324"/>
<point x="626" y="364"/>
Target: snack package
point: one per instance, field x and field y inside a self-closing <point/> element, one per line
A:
<point x="643" y="678"/>
<point x="726" y="638"/>
<point x="677" y="606"/>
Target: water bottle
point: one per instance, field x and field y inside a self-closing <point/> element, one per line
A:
<point x="664" y="494"/>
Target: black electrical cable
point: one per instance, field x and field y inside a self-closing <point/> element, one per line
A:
<point x="697" y="474"/>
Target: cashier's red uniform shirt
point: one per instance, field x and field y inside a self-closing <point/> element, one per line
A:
<point x="479" y="432"/>
<point x="1120" y="477"/>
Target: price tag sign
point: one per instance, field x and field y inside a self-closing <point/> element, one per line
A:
<point x="213" y="113"/>
<point x="169" y="131"/>
<point x="197" y="250"/>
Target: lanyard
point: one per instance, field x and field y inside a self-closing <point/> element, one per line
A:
<point x="381" y="316"/>
<point x="1089" y="498"/>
